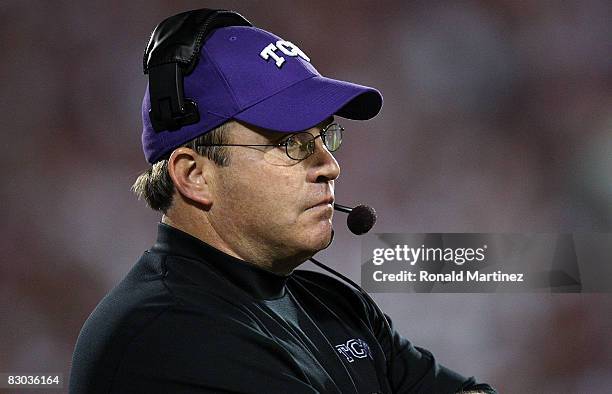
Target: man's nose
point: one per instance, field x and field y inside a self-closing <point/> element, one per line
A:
<point x="324" y="165"/>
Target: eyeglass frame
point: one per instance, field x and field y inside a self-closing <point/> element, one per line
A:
<point x="285" y="139"/>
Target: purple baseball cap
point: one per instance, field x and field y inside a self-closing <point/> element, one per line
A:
<point x="254" y="76"/>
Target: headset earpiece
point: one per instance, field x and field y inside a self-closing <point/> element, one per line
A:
<point x="172" y="53"/>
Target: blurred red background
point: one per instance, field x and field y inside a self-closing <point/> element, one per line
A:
<point x="497" y="118"/>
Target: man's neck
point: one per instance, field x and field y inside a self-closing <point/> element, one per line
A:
<point x="195" y="228"/>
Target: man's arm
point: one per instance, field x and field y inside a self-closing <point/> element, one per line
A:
<point x="415" y="370"/>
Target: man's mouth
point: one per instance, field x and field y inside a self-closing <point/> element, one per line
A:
<point x="326" y="201"/>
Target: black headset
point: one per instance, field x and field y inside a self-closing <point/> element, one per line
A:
<point x="171" y="54"/>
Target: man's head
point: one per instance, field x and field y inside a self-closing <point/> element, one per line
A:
<point x="249" y="87"/>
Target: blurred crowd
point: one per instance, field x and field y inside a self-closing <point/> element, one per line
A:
<point x="497" y="118"/>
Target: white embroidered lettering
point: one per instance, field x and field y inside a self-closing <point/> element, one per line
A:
<point x="268" y="52"/>
<point x="354" y="348"/>
<point x="285" y="47"/>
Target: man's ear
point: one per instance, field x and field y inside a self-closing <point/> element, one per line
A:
<point x="191" y="176"/>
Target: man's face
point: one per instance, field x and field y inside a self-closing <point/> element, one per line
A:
<point x="271" y="209"/>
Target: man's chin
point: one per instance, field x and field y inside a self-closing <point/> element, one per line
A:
<point x="306" y="248"/>
<point x="322" y="236"/>
<point x="313" y="235"/>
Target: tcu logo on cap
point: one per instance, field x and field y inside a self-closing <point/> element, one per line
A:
<point x="285" y="47"/>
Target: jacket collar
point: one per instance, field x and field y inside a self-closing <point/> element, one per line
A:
<point x="256" y="281"/>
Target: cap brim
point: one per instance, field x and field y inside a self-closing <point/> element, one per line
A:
<point x="309" y="102"/>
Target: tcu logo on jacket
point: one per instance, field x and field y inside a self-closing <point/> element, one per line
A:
<point x="285" y="47"/>
<point x="354" y="348"/>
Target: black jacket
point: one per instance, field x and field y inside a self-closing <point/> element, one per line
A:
<point x="190" y="319"/>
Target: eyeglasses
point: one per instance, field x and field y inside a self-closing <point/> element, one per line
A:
<point x="299" y="146"/>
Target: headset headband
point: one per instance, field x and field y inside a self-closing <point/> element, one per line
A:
<point x="171" y="54"/>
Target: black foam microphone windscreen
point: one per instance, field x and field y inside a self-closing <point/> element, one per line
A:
<point x="361" y="219"/>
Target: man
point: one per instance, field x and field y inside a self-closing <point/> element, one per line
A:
<point x="243" y="173"/>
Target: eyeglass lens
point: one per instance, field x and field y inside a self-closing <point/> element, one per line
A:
<point x="302" y="145"/>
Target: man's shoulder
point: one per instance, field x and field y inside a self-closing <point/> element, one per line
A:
<point x="150" y="289"/>
<point x="141" y="286"/>
<point x="149" y="316"/>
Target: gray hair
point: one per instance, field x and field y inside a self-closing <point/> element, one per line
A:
<point x="155" y="185"/>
